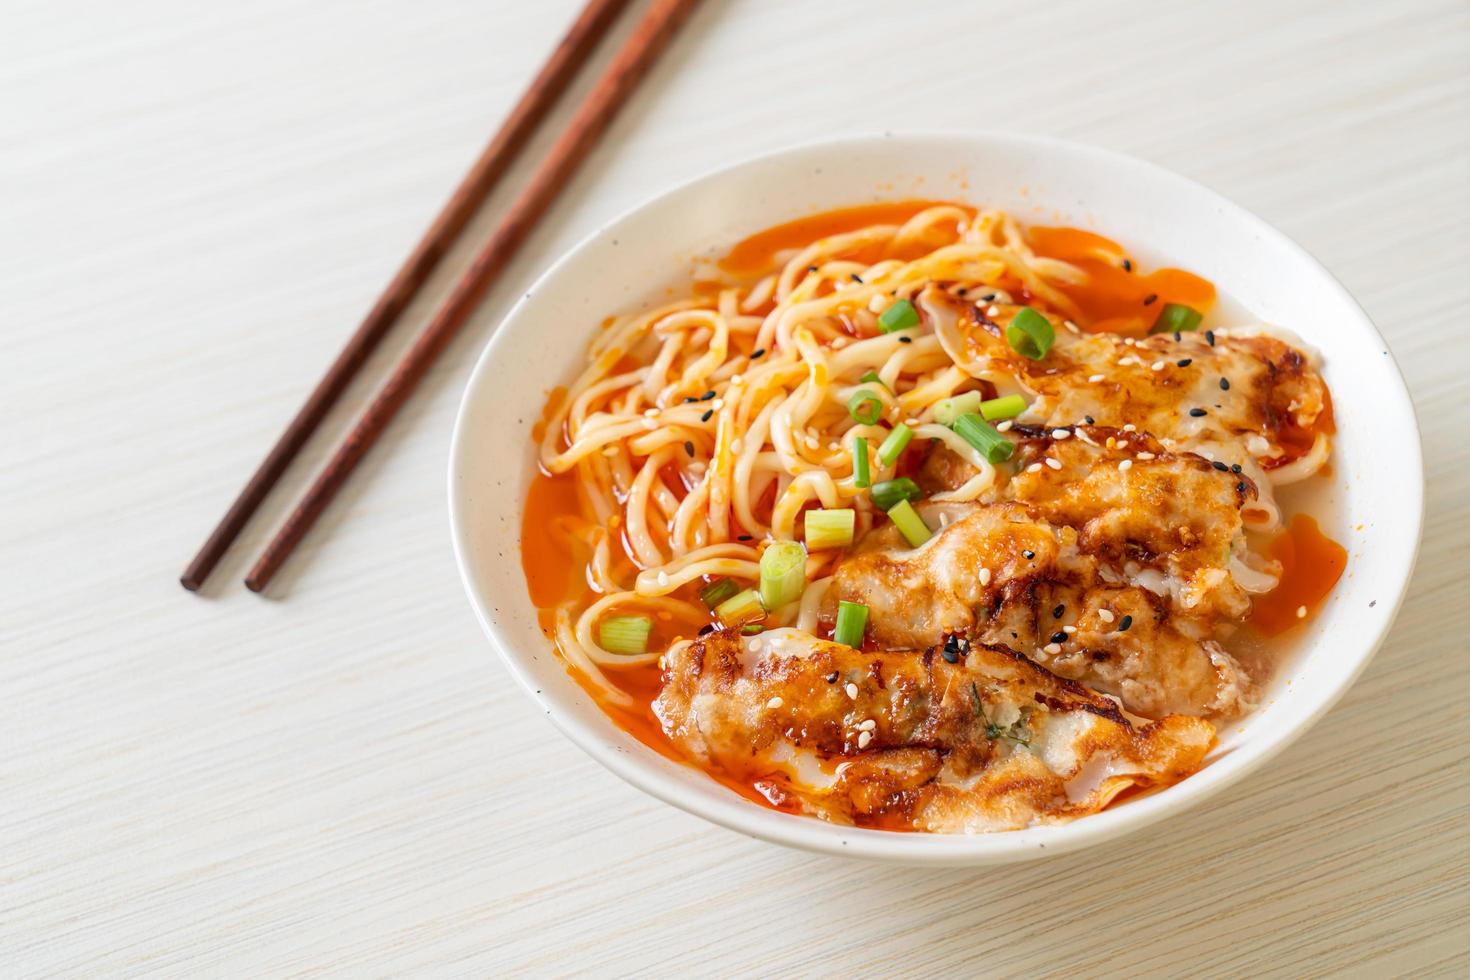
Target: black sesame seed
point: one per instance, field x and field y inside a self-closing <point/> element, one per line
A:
<point x="1089" y="420"/>
<point x="708" y="413"/>
<point x="832" y="677"/>
<point x="1178" y="336"/>
<point x="1240" y="487"/>
<point x="1059" y="637"/>
<point x="1220" y="466"/>
<point x="1198" y="413"/>
<point x="961" y="291"/>
<point x="1124" y="623"/>
<point x="950" y="656"/>
<point x="1150" y="299"/>
<point x="987" y="297"/>
<point x="689" y="447"/>
<point x="905" y="340"/>
<point x="1029" y="554"/>
<point x="706" y="628"/>
<point x="1235" y="467"/>
<point x="951" y="642"/>
<point x="811" y="268"/>
<point x="1127" y="265"/>
<point x="1185" y="361"/>
<point x="1058" y="611"/>
<point x="758" y="354"/>
<point x="856" y="278"/>
<point x="745" y="537"/>
<point x="689" y="399"/>
<point x="707" y="396"/>
<point x="1210" y="336"/>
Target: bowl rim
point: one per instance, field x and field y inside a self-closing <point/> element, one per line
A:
<point x="820" y="836"/>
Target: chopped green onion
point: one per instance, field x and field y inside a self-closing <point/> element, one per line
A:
<point x="1002" y="408"/>
<point x="830" y="528"/>
<point x="741" y="608"/>
<point x="892" y="447"/>
<point x="1177" y="318"/>
<point x="900" y="316"/>
<point x="865" y="407"/>
<point x="946" y="410"/>
<point x="625" y="634"/>
<point x="1030" y="334"/>
<point x="783" y="574"/>
<point x="852" y="623"/>
<point x="751" y="629"/>
<point x="871" y="377"/>
<point x="979" y="433"/>
<point x="909" y="523"/>
<point x="717" y="592"/>
<point x="886" y="493"/>
<point x="860" y="477"/>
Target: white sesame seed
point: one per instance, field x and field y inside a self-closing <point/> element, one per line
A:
<point x="717" y="404"/>
<point x="1127" y="464"/>
<point x="833" y="446"/>
<point x="1146" y="456"/>
<point x="839" y="343"/>
<point x="1301" y="612"/>
<point x="1004" y="426"/>
<point x="1130" y="427"/>
<point x="1053" y="463"/>
<point x="1060" y="433"/>
<point x="1053" y="648"/>
<point x="910" y="422"/>
<point x="1071" y="326"/>
<point x="651" y="412"/>
<point x="864" y="738"/>
<point x="1069" y="630"/>
<point x="775" y="703"/>
<point x="736" y="379"/>
<point x="1105" y="615"/>
<point x="735" y="445"/>
<point x="663" y="580"/>
<point x="1034" y="468"/>
<point x="993" y="310"/>
<point x="878" y="303"/>
<point x="610" y="451"/>
<point x="852" y="691"/>
<point x="984" y="576"/>
<point x="1097" y="377"/>
<point x="867" y="726"/>
<point x="1158" y="365"/>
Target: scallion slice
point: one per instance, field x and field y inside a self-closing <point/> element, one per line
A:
<point x="900" y="316"/>
<point x="852" y="623"/>
<point x="1177" y="318"/>
<point x="865" y="407"/>
<point x="946" y="410"/>
<point x="625" y="634"/>
<point x="886" y="493"/>
<point x="783" y="574"/>
<point x="741" y="608"/>
<point x="860" y="477"/>
<point x="893" y="446"/>
<point x="1030" y="334"/>
<point x="830" y="528"/>
<point x="871" y="377"/>
<point x="909" y="523"/>
<point x="1002" y="408"/>
<point x="717" y="592"/>
<point x="980" y="434"/>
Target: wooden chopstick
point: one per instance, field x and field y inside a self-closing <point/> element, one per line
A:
<point x="611" y="92"/>
<point x="555" y="75"/>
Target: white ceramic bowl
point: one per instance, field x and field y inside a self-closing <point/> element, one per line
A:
<point x="1158" y="216"/>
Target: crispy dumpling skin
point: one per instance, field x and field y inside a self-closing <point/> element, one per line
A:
<point x="908" y="740"/>
<point x="1112" y="567"/>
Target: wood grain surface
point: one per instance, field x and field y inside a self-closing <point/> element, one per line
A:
<point x="197" y="204"/>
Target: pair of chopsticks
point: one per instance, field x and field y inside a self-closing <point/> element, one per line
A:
<point x="648" y="39"/>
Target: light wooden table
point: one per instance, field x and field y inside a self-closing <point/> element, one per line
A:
<point x="197" y="201"/>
